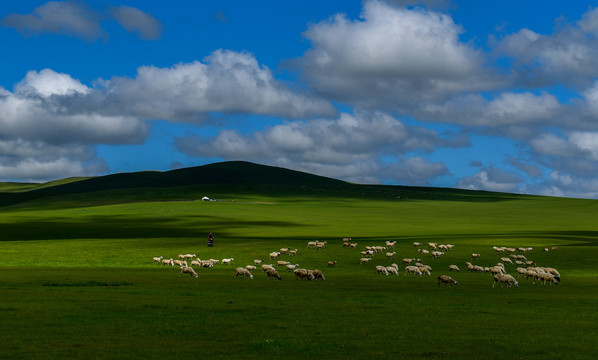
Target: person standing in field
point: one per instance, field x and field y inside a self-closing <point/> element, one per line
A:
<point x="210" y="239"/>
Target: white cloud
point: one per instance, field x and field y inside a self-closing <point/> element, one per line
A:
<point x="351" y="147"/>
<point x="226" y="81"/>
<point x="135" y="20"/>
<point x="491" y="179"/>
<point x="391" y="57"/>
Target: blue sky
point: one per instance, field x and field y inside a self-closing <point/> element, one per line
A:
<point x="486" y="95"/>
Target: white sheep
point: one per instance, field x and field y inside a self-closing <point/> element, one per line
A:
<point x="187" y="270"/>
<point x="505" y="278"/>
<point x="353" y="245"/>
<point x="424" y="270"/>
<point x="391" y="244"/>
<point x="158" y="259"/>
<point x="392" y="270"/>
<point x="274" y="255"/>
<point x="318" y="275"/>
<point x="196" y="263"/>
<point x="475" y="256"/>
<point x="168" y="262"/>
<point x="416" y="244"/>
<point x="312" y="244"/>
<point x="292" y="267"/>
<point x="272" y="273"/>
<point x="258" y="261"/>
<point x="412" y="270"/>
<point x="407" y="260"/>
<point x="243" y="272"/>
<point x="364" y="260"/>
<point x="282" y="263"/>
<point x="250" y="267"/>
<point x="454" y="268"/>
<point x="390" y="255"/>
<point x="446" y="280"/>
<point x="544" y="277"/>
<point x="266" y="267"/>
<point x="331" y="263"/>
<point x="381" y="270"/>
<point x="293" y="252"/>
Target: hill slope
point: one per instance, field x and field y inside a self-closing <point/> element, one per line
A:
<point x="230" y="176"/>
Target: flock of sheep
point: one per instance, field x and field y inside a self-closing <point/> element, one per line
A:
<point x="414" y="266"/>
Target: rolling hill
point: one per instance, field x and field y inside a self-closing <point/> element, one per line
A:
<point x="224" y="177"/>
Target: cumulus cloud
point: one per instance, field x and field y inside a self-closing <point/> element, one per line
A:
<point x="568" y="56"/>
<point x="351" y="147"/>
<point x="135" y="20"/>
<point x="68" y="18"/>
<point x="392" y="58"/>
<point x="491" y="179"/>
<point x="226" y="81"/>
<point x="41" y="139"/>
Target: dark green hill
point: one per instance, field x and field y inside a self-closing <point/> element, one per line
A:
<point x="226" y="177"/>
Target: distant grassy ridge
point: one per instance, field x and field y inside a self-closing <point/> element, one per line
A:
<point x="222" y="178"/>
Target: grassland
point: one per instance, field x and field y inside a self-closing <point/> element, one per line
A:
<point x="77" y="280"/>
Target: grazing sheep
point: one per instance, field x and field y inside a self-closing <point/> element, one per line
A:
<point x="157" y="259"/>
<point x="390" y="255"/>
<point x="407" y="260"/>
<point x="432" y="246"/>
<point x="284" y="250"/>
<point x="188" y="256"/>
<point x="250" y="267"/>
<point x="391" y="244"/>
<point x="424" y="270"/>
<point x="181" y="256"/>
<point x="280" y="263"/>
<point x="196" y="263"/>
<point x="331" y="263"/>
<point x="506" y="260"/>
<point x="545" y="249"/>
<point x="179" y="263"/>
<point x="416" y="244"/>
<point x="227" y="261"/>
<point x="300" y="274"/>
<point x="312" y="244"/>
<point x="412" y="270"/>
<point x="446" y="280"/>
<point x="353" y="245"/>
<point x="272" y="273"/>
<point x="318" y="275"/>
<point x="423" y="251"/>
<point x="392" y="270"/>
<point x="243" y="272"/>
<point x="266" y="267"/>
<point x="292" y="267"/>
<point x="552" y="271"/>
<point x="274" y="255"/>
<point x="454" y="268"/>
<point x="521" y="271"/>
<point x="293" y="252"/>
<point x="496" y="270"/>
<point x="168" y="262"/>
<point x="258" y="261"/>
<point x="187" y="270"/>
<point x="321" y="245"/>
<point x="437" y="254"/>
<point x="475" y="256"/>
<point x="505" y="278"/>
<point x="364" y="260"/>
<point x="544" y="277"/>
<point x="381" y="269"/>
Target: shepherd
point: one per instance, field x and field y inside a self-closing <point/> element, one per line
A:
<point x="210" y="239"/>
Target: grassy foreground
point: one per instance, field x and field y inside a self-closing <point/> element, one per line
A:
<point x="78" y="281"/>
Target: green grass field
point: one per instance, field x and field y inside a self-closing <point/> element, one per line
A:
<point x="77" y="278"/>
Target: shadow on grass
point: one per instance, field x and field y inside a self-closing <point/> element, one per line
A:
<point x="115" y="227"/>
